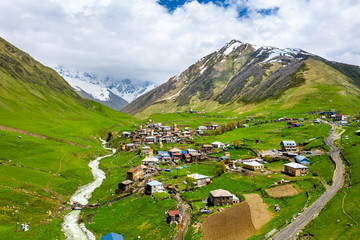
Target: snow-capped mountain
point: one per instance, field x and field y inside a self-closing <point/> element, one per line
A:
<point x="109" y="91"/>
<point x="237" y="72"/>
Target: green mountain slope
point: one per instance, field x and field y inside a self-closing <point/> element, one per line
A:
<point x="48" y="134"/>
<point x="241" y="77"/>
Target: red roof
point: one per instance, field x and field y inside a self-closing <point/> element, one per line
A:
<point x="187" y="155"/>
<point x="136" y="140"/>
<point x="173" y="212"/>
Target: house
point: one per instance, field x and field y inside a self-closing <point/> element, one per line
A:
<point x="125" y="134"/>
<point x="150" y="139"/>
<point x="195" y="156"/>
<point x="218" y="145"/>
<point x="145" y="150"/>
<point x="125" y="186"/>
<point x="338" y="117"/>
<point x="289" y="146"/>
<point x="154" y="187"/>
<point x="220" y="197"/>
<point x="173" y="215"/>
<point x="150" y="161"/>
<point x="112" y="236"/>
<point x="253" y="165"/>
<point x="190" y="150"/>
<point x="187" y="157"/>
<point x="176" y="156"/>
<point x="295" y="169"/>
<point x="137" y="141"/>
<point x="302" y="160"/>
<point x="131" y="146"/>
<point x="136" y="173"/>
<point x="207" y="147"/>
<point x="201" y="180"/>
<point x="174" y="150"/>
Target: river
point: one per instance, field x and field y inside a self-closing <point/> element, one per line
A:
<point x="71" y="227"/>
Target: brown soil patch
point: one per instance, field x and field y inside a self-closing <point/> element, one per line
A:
<point x="260" y="214"/>
<point x="282" y="191"/>
<point x="233" y="223"/>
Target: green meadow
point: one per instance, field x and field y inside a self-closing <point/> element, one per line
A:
<point x="341" y="214"/>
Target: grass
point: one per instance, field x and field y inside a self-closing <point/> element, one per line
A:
<point x="133" y="217"/>
<point x="332" y="216"/>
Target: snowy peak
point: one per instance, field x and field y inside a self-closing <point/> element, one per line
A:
<point x="101" y="88"/>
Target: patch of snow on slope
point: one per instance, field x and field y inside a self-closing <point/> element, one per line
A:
<point x="232" y="47"/>
<point x="96" y="91"/>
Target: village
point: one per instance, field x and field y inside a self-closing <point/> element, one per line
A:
<point x="176" y="165"/>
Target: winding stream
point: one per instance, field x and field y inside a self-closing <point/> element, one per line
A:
<point x="71" y="226"/>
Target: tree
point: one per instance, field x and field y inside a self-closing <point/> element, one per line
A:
<point x="190" y="182"/>
<point x="219" y="168"/>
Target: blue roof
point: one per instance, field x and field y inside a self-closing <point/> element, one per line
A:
<point x="112" y="236"/>
<point x="184" y="152"/>
<point x="300" y="158"/>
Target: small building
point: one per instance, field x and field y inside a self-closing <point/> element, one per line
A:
<point x="136" y="173"/>
<point x="150" y="139"/>
<point x="207" y="147"/>
<point x="253" y="165"/>
<point x="338" y="117"/>
<point x="295" y="169"/>
<point x="125" y="185"/>
<point x="126" y="134"/>
<point x="174" y="150"/>
<point x="154" y="187"/>
<point x="150" y="161"/>
<point x="145" y="150"/>
<point x="220" y="197"/>
<point x="218" y="145"/>
<point x="302" y="160"/>
<point x="289" y="146"/>
<point x="173" y="215"/>
<point x="131" y="146"/>
<point x="112" y="236"/>
<point x="201" y="180"/>
<point x="187" y="157"/>
<point x="195" y="156"/>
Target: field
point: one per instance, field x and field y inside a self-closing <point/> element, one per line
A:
<point x="132" y="217"/>
<point x="233" y="223"/>
<point x="282" y="191"/>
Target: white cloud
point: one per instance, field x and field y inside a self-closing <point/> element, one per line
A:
<point x="140" y="40"/>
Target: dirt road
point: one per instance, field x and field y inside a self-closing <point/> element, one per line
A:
<point x="290" y="232"/>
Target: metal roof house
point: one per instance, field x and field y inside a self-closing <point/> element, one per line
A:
<point x="289" y="146"/>
<point x="302" y="160"/>
<point x="253" y="165"/>
<point x="154" y="187"/>
<point x="112" y="236"/>
<point x="220" y="197"/>
<point x="201" y="180"/>
<point x="295" y="169"/>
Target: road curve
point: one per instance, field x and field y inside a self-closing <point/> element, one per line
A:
<point x="291" y="230"/>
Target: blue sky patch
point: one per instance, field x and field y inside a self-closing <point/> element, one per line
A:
<point x="268" y="11"/>
<point x="171" y="5"/>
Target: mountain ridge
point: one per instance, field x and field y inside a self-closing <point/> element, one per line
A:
<point x="111" y="92"/>
<point x="239" y="74"/>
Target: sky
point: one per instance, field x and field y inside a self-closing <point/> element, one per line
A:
<point x="153" y="40"/>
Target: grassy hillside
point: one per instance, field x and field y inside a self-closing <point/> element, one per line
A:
<point x="48" y="134"/>
<point x="317" y="86"/>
